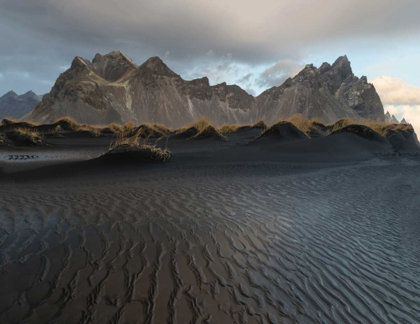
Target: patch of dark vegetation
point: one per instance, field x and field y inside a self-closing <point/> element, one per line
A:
<point x="25" y="136"/>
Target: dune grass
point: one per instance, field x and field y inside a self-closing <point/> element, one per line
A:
<point x="27" y="136"/>
<point x="383" y="128"/>
<point x="209" y="132"/>
<point x="10" y="121"/>
<point x="311" y="127"/>
<point x="260" y="124"/>
<point x="112" y="128"/>
<point x="67" y="123"/>
<point x="162" y="128"/>
<point x="7" y="121"/>
<point x="129" y="125"/>
<point x="198" y="125"/>
<point x="123" y="142"/>
<point x="230" y="128"/>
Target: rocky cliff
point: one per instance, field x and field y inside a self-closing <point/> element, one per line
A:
<point x="13" y="105"/>
<point x="329" y="93"/>
<point x="112" y="88"/>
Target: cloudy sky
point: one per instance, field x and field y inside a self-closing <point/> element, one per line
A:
<point x="255" y="44"/>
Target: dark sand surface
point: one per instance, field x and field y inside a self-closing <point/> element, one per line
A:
<point x="321" y="231"/>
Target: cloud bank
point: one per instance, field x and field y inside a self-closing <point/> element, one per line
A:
<point x="225" y="40"/>
<point x="400" y="99"/>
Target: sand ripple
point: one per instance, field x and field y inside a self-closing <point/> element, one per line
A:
<point x="240" y="245"/>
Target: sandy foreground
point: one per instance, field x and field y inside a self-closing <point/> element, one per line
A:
<point x="221" y="234"/>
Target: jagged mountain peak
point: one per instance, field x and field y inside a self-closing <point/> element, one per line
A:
<point x="10" y="94"/>
<point x="29" y="93"/>
<point x="113" y="65"/>
<point x="342" y="66"/>
<point x="156" y="66"/>
<point x="113" y="56"/>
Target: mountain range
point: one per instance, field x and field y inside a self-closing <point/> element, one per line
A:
<point x="13" y="105"/>
<point x="113" y="88"/>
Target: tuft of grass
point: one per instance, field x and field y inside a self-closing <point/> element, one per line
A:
<point x="67" y="123"/>
<point x="112" y="128"/>
<point x="260" y="124"/>
<point x="94" y="131"/>
<point x="56" y="131"/>
<point x="209" y="132"/>
<point x="312" y="128"/>
<point x="229" y="128"/>
<point x="198" y="125"/>
<point x="162" y="128"/>
<point x="7" y="121"/>
<point x="359" y="130"/>
<point x="27" y="136"/>
<point x="124" y="142"/>
<point x="129" y="125"/>
<point x="339" y="125"/>
<point x="383" y="128"/>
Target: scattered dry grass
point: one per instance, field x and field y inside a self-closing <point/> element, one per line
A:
<point x="27" y="136"/>
<point x="383" y="128"/>
<point x="360" y="130"/>
<point x="199" y="125"/>
<point x="123" y="142"/>
<point x="94" y="131"/>
<point x="129" y="125"/>
<point x="112" y="128"/>
<point x="230" y="128"/>
<point x="67" y="123"/>
<point x="162" y="128"/>
<point x="339" y="125"/>
<point x="312" y="128"/>
<point x="209" y="132"/>
<point x="260" y="124"/>
<point x="56" y="131"/>
<point x="7" y="121"/>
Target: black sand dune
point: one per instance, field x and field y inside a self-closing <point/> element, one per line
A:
<point x="402" y="141"/>
<point x="282" y="132"/>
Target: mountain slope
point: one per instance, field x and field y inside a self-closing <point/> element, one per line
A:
<point x="112" y="88"/>
<point x="329" y="93"/>
<point x="12" y="105"/>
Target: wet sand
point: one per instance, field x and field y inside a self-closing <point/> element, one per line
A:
<point x="222" y="234"/>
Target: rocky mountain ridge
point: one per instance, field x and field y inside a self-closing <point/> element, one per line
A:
<point x="112" y="88"/>
<point x="16" y="106"/>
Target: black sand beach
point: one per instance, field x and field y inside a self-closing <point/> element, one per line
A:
<point x="312" y="231"/>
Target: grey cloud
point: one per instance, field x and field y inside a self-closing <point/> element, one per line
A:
<point x="278" y="73"/>
<point x="245" y="79"/>
<point x="39" y="36"/>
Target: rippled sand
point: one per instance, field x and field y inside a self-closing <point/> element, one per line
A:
<point x="256" y="243"/>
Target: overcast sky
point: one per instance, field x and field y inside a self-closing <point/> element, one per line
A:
<point x="255" y="44"/>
